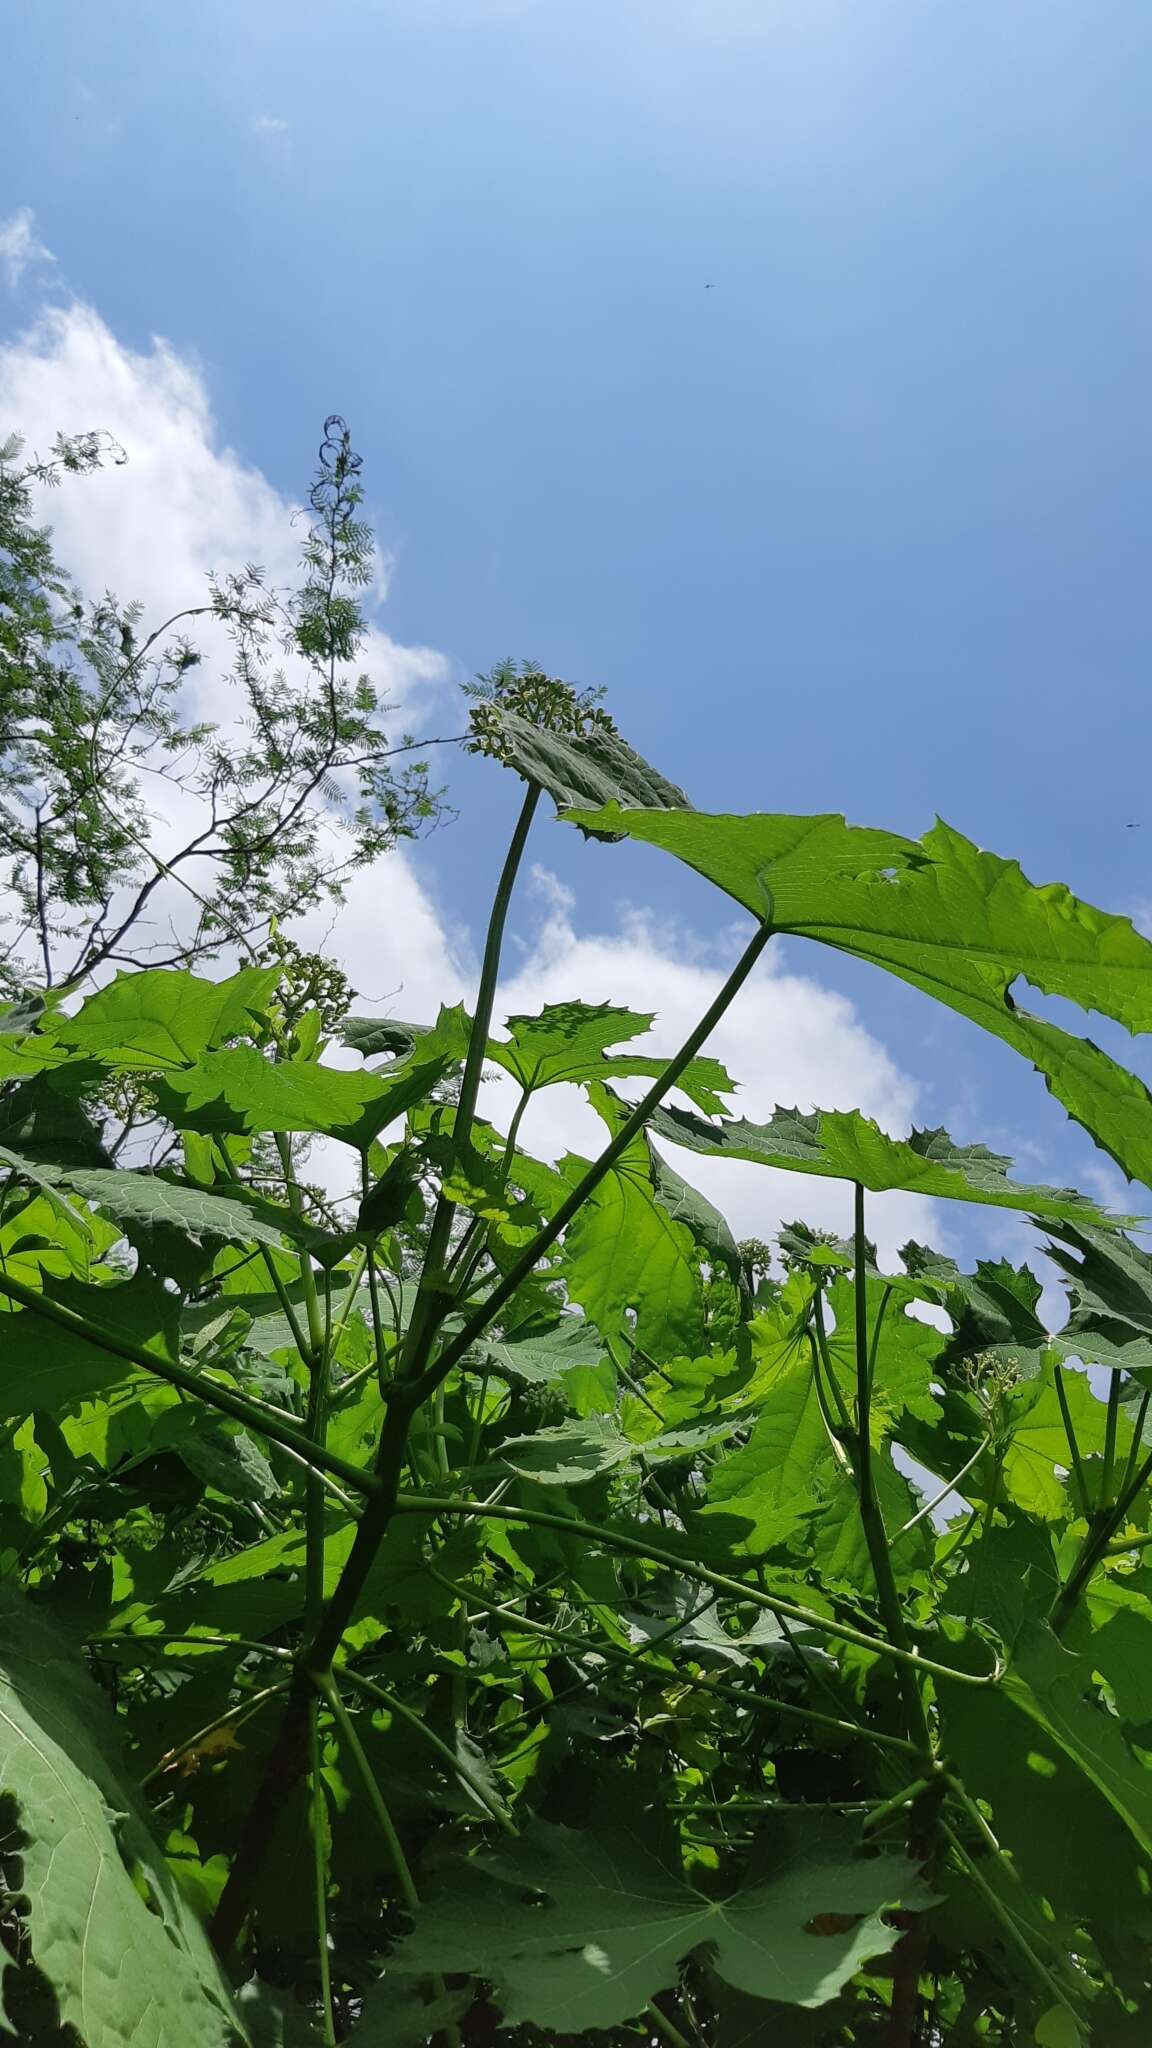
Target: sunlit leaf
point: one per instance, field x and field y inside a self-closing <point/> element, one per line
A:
<point x="962" y="925"/>
<point x="843" y="1145"/>
<point x="125" y="1956"/>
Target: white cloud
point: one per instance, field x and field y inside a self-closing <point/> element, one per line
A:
<point x="274" y="136"/>
<point x="185" y="504"/>
<point x="181" y="507"/>
<point x="19" y="248"/>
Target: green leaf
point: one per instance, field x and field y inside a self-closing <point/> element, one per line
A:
<point x="545" y="1358"/>
<point x="621" y="1918"/>
<point x="1049" y="1683"/>
<point x="389" y="1198"/>
<point x="223" y="1456"/>
<point x="149" y="1198"/>
<point x="49" y="1370"/>
<point x="623" y="1251"/>
<point x="106" y="1924"/>
<point x="399" y="2016"/>
<point x="571" y="1454"/>
<point x="594" y="768"/>
<point x="238" y="1091"/>
<point x="960" y="924"/>
<point x="993" y="1309"/>
<point x="843" y="1145"/>
<point x="1057" y="2027"/>
<point x="776" y="1481"/>
<point x="157" y="1018"/>
<point x="687" y="1205"/>
<point x="1039" y="1442"/>
<point x="370" y="1036"/>
<point x="568" y="1042"/>
<point x="45" y="1118"/>
<point x="275" y="2019"/>
<point x="1067" y="1843"/>
<point x="1110" y="1292"/>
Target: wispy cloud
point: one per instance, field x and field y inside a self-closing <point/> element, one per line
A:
<point x="273" y="133"/>
<point x="19" y="247"/>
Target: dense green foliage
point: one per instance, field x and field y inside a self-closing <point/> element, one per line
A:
<point x="496" y="1603"/>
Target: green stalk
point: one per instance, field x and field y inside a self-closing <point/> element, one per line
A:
<point x="286" y="1305"/>
<point x="530" y="1257"/>
<point x="950" y="1486"/>
<point x="1096" y="1548"/>
<point x="458" y="1765"/>
<point x="1123" y="1544"/>
<point x="826" y="1358"/>
<point x="665" y="2027"/>
<point x="1110" y="1437"/>
<point x="736" y="1589"/>
<point x="243" y="1644"/>
<point x="614" y="1654"/>
<point x="403" y="1395"/>
<point x="959" y="1540"/>
<point x="875" y="1817"/>
<point x="317" y="1425"/>
<point x="346" y="1728"/>
<point x="1073" y="1446"/>
<point x="431" y="1301"/>
<point x="234" y="1717"/>
<point x="836" y="1434"/>
<point x="1007" y="1921"/>
<point x="320" y="1876"/>
<point x="209" y="1391"/>
<point x="871" y="1517"/>
<point x="1137" y="1438"/>
<point x="407" y="1392"/>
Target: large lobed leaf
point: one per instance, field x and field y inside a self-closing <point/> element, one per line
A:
<point x="149" y="1198"/>
<point x="145" y="1021"/>
<point x="959" y="923"/>
<point x="570" y="1042"/>
<point x="844" y="1145"/>
<point x="106" y="1924"/>
<point x="621" y="1918"/>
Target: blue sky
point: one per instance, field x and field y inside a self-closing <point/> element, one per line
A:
<point x="782" y="367"/>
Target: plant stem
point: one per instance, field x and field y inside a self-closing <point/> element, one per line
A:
<point x="346" y="1727"/>
<point x="665" y="2027"/>
<point x="458" y="1765"/>
<point x="1110" y="1437"/>
<point x="1137" y="1437"/>
<point x="871" y="1517"/>
<point x="950" y="1486"/>
<point x="432" y="1300"/>
<point x="1095" y="1548"/>
<point x="614" y="1654"/>
<point x="1073" y="1446"/>
<point x="234" y="1717"/>
<point x="209" y="1391"/>
<point x="1007" y="1921"/>
<point x="1123" y="1544"/>
<point x="736" y="1589"/>
<point x="320" y="1875"/>
<point x="834" y="1387"/>
<point x="883" y="1812"/>
<point x="530" y="1257"/>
